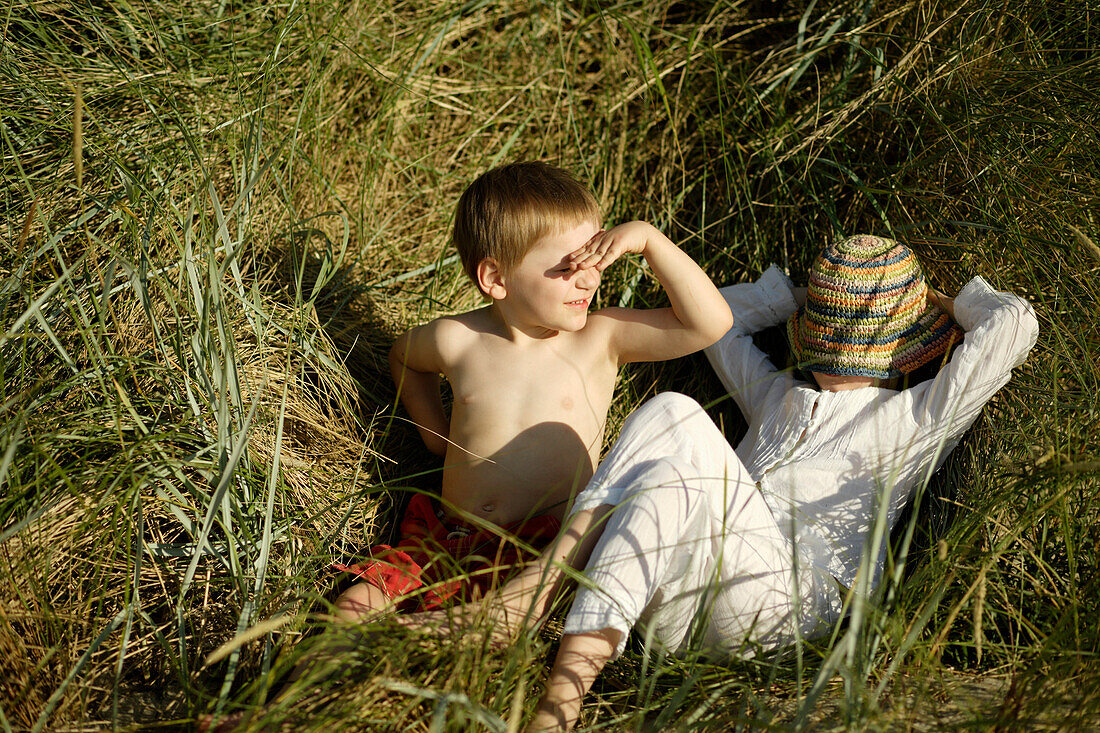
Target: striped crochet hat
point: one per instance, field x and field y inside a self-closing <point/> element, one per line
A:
<point x="866" y="312"/>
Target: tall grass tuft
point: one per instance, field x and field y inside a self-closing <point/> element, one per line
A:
<point x="218" y="215"/>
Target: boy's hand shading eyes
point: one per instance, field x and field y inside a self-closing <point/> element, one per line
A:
<point x="608" y="246"/>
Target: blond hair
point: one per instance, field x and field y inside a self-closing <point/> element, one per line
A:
<point x="507" y="209"/>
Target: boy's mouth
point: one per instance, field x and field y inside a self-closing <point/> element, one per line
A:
<point x="578" y="303"/>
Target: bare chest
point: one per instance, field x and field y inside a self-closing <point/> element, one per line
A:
<point x="507" y="394"/>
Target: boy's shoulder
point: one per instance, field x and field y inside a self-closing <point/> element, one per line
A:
<point x="450" y="336"/>
<point x="449" y="327"/>
<point x="455" y="334"/>
<point x="456" y="325"/>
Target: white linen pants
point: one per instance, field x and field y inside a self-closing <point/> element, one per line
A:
<point x="691" y="551"/>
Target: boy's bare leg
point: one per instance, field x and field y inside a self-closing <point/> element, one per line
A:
<point x="526" y="599"/>
<point x="361" y="601"/>
<point x="523" y="602"/>
<point x="581" y="658"/>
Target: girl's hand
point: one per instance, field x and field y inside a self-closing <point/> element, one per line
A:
<point x="936" y="298"/>
<point x="607" y="246"/>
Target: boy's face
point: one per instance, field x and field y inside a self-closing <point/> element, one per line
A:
<point x="543" y="291"/>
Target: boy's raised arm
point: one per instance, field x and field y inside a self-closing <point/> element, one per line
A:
<point x="698" y="315"/>
<point x="416" y="365"/>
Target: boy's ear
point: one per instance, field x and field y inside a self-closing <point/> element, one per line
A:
<point x="491" y="279"/>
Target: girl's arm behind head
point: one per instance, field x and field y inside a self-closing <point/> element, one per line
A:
<point x="1001" y="329"/>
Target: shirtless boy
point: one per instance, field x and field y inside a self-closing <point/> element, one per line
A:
<point x="532" y="372"/>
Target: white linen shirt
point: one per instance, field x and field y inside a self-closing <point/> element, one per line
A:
<point x="834" y="465"/>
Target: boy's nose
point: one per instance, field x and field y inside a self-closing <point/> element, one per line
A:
<point x="588" y="279"/>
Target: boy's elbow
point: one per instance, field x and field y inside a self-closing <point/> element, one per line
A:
<point x="725" y="323"/>
<point x="717" y="327"/>
<point x="434" y="440"/>
<point x="397" y="360"/>
<point x="436" y="445"/>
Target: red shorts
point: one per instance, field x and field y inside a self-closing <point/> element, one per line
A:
<point x="450" y="560"/>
